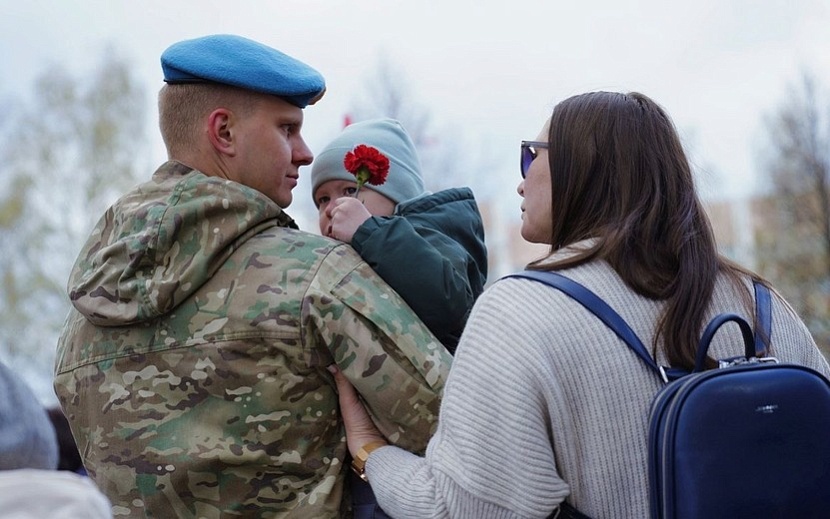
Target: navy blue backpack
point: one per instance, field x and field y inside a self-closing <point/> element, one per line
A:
<point x="750" y="439"/>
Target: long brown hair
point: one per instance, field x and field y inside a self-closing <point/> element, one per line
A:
<point x="619" y="175"/>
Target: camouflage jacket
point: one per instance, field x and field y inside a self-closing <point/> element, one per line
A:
<point x="192" y="367"/>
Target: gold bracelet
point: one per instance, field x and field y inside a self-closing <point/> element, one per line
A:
<point x="359" y="460"/>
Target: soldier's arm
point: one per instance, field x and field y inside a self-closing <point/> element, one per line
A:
<point x="387" y="353"/>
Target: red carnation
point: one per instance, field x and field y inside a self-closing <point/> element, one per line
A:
<point x="367" y="164"/>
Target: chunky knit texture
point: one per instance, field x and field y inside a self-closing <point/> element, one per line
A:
<point x="544" y="403"/>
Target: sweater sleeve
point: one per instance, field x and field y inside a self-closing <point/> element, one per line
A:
<point x="427" y="268"/>
<point x="492" y="454"/>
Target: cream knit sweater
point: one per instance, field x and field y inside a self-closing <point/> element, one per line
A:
<point x="544" y="403"/>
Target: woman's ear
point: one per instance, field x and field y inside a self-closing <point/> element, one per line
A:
<point x="220" y="123"/>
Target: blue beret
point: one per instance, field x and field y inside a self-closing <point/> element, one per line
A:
<point x="240" y="62"/>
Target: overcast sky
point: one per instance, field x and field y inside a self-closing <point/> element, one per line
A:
<point x="493" y="69"/>
<point x="489" y="72"/>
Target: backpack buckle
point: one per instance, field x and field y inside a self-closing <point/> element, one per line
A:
<point x="737" y="361"/>
<point x="663" y="375"/>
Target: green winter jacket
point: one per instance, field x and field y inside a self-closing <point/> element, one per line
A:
<point x="432" y="252"/>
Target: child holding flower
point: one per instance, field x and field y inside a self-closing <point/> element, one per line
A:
<point x="369" y="191"/>
<point x="428" y="247"/>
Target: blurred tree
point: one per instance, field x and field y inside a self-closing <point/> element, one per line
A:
<point x="66" y="154"/>
<point x="443" y="164"/>
<point x="794" y="244"/>
<point x="448" y="159"/>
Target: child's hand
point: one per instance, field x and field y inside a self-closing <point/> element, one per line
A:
<point x="346" y="214"/>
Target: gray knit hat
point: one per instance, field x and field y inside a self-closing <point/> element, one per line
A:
<point x="404" y="181"/>
<point x="27" y="437"/>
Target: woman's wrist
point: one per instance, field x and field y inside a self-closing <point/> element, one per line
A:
<point x="362" y="456"/>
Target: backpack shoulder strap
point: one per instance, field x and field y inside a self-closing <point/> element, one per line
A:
<point x="596" y="306"/>
<point x="763" y="319"/>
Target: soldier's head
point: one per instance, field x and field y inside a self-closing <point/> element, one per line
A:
<point x="233" y="108"/>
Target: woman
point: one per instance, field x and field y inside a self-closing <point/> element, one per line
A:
<point x="543" y="403"/>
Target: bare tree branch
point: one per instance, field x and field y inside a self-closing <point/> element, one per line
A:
<point x="794" y="245"/>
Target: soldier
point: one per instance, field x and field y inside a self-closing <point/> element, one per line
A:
<point x="192" y="367"/>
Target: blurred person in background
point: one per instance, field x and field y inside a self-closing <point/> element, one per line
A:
<point x="31" y="487"/>
<point x="68" y="456"/>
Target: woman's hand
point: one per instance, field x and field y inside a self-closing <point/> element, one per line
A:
<point x="360" y="429"/>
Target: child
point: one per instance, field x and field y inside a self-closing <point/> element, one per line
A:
<point x="428" y="247"/>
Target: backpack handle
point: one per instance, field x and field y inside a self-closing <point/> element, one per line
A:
<point x="712" y="328"/>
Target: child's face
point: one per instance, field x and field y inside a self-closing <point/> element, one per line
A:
<point x="328" y="192"/>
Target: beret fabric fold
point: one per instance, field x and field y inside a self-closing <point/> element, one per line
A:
<point x="233" y="60"/>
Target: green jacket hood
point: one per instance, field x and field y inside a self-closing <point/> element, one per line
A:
<point x="161" y="241"/>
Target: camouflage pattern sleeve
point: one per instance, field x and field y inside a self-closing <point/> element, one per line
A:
<point x="353" y="318"/>
<point x="192" y="366"/>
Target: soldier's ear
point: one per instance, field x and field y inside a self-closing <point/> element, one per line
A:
<point x="221" y="131"/>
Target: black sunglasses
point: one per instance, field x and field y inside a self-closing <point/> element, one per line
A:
<point x="529" y="153"/>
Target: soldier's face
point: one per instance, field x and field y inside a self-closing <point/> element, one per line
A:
<point x="271" y="149"/>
